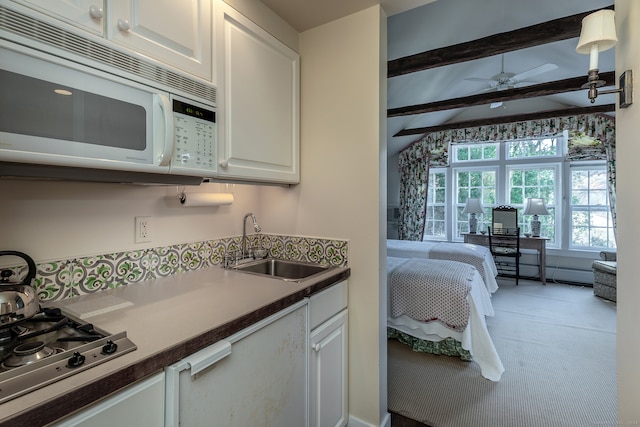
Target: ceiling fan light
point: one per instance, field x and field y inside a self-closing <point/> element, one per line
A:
<point x="597" y="35"/>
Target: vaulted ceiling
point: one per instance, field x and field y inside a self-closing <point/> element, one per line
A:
<point x="442" y="56"/>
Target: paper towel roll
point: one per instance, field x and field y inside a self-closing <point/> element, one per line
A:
<point x="205" y="199"/>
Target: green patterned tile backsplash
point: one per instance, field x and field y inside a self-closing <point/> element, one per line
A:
<point x="79" y="276"/>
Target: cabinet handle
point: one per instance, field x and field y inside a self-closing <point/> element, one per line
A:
<point x="317" y="347"/>
<point x="123" y="25"/>
<point x="224" y="164"/>
<point x="96" y="12"/>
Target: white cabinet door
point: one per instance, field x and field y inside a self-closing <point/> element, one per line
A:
<point x="178" y="33"/>
<point x="258" y="101"/>
<point x="85" y="14"/>
<point x="328" y="392"/>
<point x="257" y="377"/>
<point x="140" y="405"/>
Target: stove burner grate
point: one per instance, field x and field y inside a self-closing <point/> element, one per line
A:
<point x="27" y="353"/>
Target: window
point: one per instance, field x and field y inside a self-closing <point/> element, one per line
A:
<point x="590" y="216"/>
<point x="480" y="184"/>
<point x="534" y="181"/>
<point x="472" y="152"/>
<point x="530" y="148"/>
<point x="507" y="174"/>
<point x="435" y="221"/>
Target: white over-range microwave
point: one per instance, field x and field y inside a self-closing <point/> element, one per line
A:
<point x="62" y="113"/>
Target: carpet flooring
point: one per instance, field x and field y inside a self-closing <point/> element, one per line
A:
<point x="558" y="346"/>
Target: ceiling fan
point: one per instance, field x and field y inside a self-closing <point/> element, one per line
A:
<point x="505" y="81"/>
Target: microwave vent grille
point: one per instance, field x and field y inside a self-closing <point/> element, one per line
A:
<point x="51" y="35"/>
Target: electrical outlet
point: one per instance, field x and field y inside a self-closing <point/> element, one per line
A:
<point x="143" y="229"/>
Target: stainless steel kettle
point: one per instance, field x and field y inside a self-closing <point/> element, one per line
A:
<point x="18" y="301"/>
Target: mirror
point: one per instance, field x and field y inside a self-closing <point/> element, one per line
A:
<point x="505" y="220"/>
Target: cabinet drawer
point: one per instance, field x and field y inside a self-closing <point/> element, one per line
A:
<point x="327" y="303"/>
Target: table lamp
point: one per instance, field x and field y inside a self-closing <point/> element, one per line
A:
<point x="535" y="207"/>
<point x="473" y="207"/>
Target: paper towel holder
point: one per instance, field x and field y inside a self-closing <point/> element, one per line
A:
<point x="204" y="199"/>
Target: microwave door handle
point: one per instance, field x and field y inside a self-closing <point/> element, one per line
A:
<point x="167" y="148"/>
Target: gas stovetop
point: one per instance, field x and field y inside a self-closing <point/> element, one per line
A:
<point x="49" y="347"/>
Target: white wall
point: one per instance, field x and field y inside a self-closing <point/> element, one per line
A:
<point x="58" y="220"/>
<point x="628" y="236"/>
<point x="343" y="104"/>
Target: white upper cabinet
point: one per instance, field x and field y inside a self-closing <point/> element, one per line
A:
<point x="258" y="102"/>
<point x="85" y="14"/>
<point x="174" y="33"/>
<point x="178" y="33"/>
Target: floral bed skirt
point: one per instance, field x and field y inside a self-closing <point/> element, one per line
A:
<point x="448" y="346"/>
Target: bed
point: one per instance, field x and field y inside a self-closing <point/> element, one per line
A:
<point x="478" y="256"/>
<point x="439" y="301"/>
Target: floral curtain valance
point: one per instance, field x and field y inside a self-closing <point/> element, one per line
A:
<point x="584" y="147"/>
<point x="581" y="128"/>
<point x="591" y="137"/>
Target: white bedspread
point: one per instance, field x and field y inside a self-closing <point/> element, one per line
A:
<point x="475" y="338"/>
<point x="478" y="256"/>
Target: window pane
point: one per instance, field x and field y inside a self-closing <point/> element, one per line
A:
<point x="490" y="151"/>
<point x="591" y="222"/>
<point x="473" y="184"/>
<point x="598" y="180"/>
<point x="475" y="152"/>
<point x="534" y="182"/>
<point x="532" y="148"/>
<point x="435" y="223"/>
<point x="580" y="197"/>
<point x="476" y="179"/>
<point x="598" y="197"/>
<point x="462" y="154"/>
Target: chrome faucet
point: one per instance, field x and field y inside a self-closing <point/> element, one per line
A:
<point x="256" y="227"/>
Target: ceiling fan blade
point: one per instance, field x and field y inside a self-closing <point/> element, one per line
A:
<point x="534" y="72"/>
<point x="478" y="79"/>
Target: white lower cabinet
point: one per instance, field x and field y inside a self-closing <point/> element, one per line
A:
<point x="328" y="358"/>
<point x="328" y="373"/>
<point x="257" y="377"/>
<point x="140" y="405"/>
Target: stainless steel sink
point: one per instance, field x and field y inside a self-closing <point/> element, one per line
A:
<point x="291" y="271"/>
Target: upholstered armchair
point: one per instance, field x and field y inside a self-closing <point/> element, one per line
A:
<point x="604" y="275"/>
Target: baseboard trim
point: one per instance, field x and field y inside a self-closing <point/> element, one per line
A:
<point x="555" y="274"/>
<point x="356" y="422"/>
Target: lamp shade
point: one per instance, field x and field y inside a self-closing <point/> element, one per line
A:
<point x="473" y="206"/>
<point x="597" y="35"/>
<point x="535" y="206"/>
<point x="598" y="27"/>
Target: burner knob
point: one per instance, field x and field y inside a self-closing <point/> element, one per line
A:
<point x="76" y="360"/>
<point x="109" y="348"/>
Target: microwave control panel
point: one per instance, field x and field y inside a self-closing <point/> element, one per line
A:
<point x="195" y="145"/>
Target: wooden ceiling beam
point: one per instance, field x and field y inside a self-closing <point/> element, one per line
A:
<point x="542" y="89"/>
<point x="534" y="35"/>
<point x="510" y="119"/>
